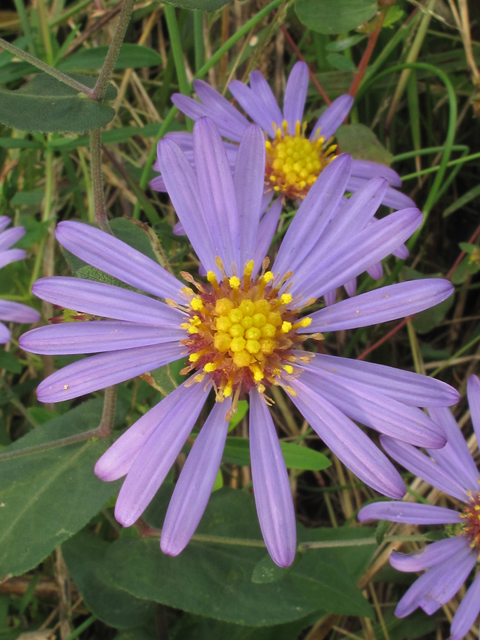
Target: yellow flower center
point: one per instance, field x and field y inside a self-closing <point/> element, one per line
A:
<point x="293" y="163"/>
<point x="241" y="332"/>
<point x="471" y="516"/>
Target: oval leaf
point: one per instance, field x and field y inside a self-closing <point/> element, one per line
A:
<point x="296" y="457"/>
<point x="340" y="16"/>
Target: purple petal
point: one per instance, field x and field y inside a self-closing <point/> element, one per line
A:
<point x="330" y="297"/>
<point x="266" y="199"/>
<point x="381" y="305"/>
<point x="348" y="442"/>
<point x="4" y="333"/>
<point x="423" y="467"/>
<point x="333" y="117"/>
<point x="313" y="216"/>
<point x="351" y="287"/>
<point x="402" y="252"/>
<point x="405" y="386"/>
<point x="4" y="222"/>
<point x="358" y="253"/>
<point x="429" y="556"/>
<point x="455" y="457"/>
<point x="12" y="255"/>
<point x="111" y="255"/>
<point x="248" y="179"/>
<point x="408" y="513"/>
<point x="254" y="106"/>
<point x="158" y="184"/>
<point x="17" y="312"/>
<point x="392" y="198"/>
<point x="368" y="170"/>
<point x="178" y="229"/>
<point x="473" y="393"/>
<point x="295" y="95"/>
<point x="157" y="455"/>
<point x="106" y="301"/>
<point x="434" y="580"/>
<point x="96" y="336"/>
<point x="220" y="109"/>
<point x="217" y="192"/>
<point x="351" y="217"/>
<point x="375" y="271"/>
<point x="467" y="612"/>
<point x="459" y="566"/>
<point x="183" y="189"/>
<point x="117" y="461"/>
<point x="273" y="496"/>
<point x="228" y="127"/>
<point x="10" y="237"/>
<point x="196" y="481"/>
<point x="372" y="408"/>
<point x="105" y="370"/>
<point x="266" y="231"/>
<point x="261" y="89"/>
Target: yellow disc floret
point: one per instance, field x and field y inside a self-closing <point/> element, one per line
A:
<point x="293" y="162"/>
<point x="242" y="332"/>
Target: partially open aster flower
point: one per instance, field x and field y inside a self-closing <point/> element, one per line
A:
<point x="449" y="561"/>
<point x="12" y="311"/>
<point x="293" y="161"/>
<point x="242" y="332"/>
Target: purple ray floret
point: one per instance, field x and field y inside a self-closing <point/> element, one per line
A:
<point x="12" y="311"/>
<point x="449" y="561"/>
<point x="240" y="331"/>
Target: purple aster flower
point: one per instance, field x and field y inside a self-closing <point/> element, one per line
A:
<point x="449" y="561"/>
<point x="12" y="311"/>
<point x="242" y="331"/>
<point x="293" y="162"/>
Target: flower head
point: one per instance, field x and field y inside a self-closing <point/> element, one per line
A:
<point x="293" y="160"/>
<point x="242" y="332"/>
<point x="12" y="311"/>
<point x="449" y="561"/>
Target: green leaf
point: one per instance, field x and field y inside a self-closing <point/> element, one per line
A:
<point x="200" y="5"/>
<point x="167" y="378"/>
<point x="296" y="457"/>
<point x="215" y="580"/>
<point x="85" y="555"/>
<point x="45" y="104"/>
<point x="464" y="270"/>
<point x="92" y="273"/>
<point x="131" y="56"/>
<point x="28" y="198"/>
<point x="341" y="62"/>
<point x="427" y="320"/>
<point x="242" y="408"/>
<point x="9" y="362"/>
<point x="19" y="143"/>
<point x="362" y="144"/>
<point x="267" y="571"/>
<point x="345" y="43"/>
<point x="47" y="497"/>
<point x="134" y="234"/>
<point x="463" y="200"/>
<point x="326" y="16"/>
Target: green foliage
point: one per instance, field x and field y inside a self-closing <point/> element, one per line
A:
<point x="362" y="144"/>
<point x="340" y="16"/>
<point x="48" y="496"/>
<point x="339" y="61"/>
<point x="199" y="5"/>
<point x="296" y="456"/>
<point x="131" y="56"/>
<point x="46" y="104"/>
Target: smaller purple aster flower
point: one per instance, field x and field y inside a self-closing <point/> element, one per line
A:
<point x="293" y="160"/>
<point x="12" y="311"/>
<point x="449" y="561"/>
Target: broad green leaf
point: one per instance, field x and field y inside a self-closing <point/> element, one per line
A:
<point x="215" y="580"/>
<point x="427" y="320"/>
<point x="341" y="62"/>
<point x="134" y="234"/>
<point x="46" y="497"/>
<point x="241" y="412"/>
<point x="45" y="104"/>
<point x="464" y="270"/>
<point x="200" y="5"/>
<point x="296" y="457"/>
<point x="9" y="362"/>
<point x="339" y="16"/>
<point x="131" y="56"/>
<point x="85" y="555"/>
<point x="362" y="144"/>
<point x="345" y="43"/>
<point x="267" y="571"/>
<point x="28" y="198"/>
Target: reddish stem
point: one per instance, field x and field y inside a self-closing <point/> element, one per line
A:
<point x="388" y="335"/>
<point x="463" y="254"/>
<point x="367" y="54"/>
<point x="300" y="57"/>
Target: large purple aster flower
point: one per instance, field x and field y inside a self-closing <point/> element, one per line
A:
<point x="293" y="161"/>
<point x="242" y="332"/>
<point x="12" y="311"/>
<point x="449" y="561"/>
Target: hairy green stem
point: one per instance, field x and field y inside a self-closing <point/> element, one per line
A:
<point x="97" y="181"/>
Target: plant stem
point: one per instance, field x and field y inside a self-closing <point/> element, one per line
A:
<point x="78" y="86"/>
<point x="97" y="181"/>
<point x="22" y="14"/>
<point x="198" y="39"/>
<point x="176" y="45"/>
<point x="106" y="71"/>
<point x="367" y="54"/>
